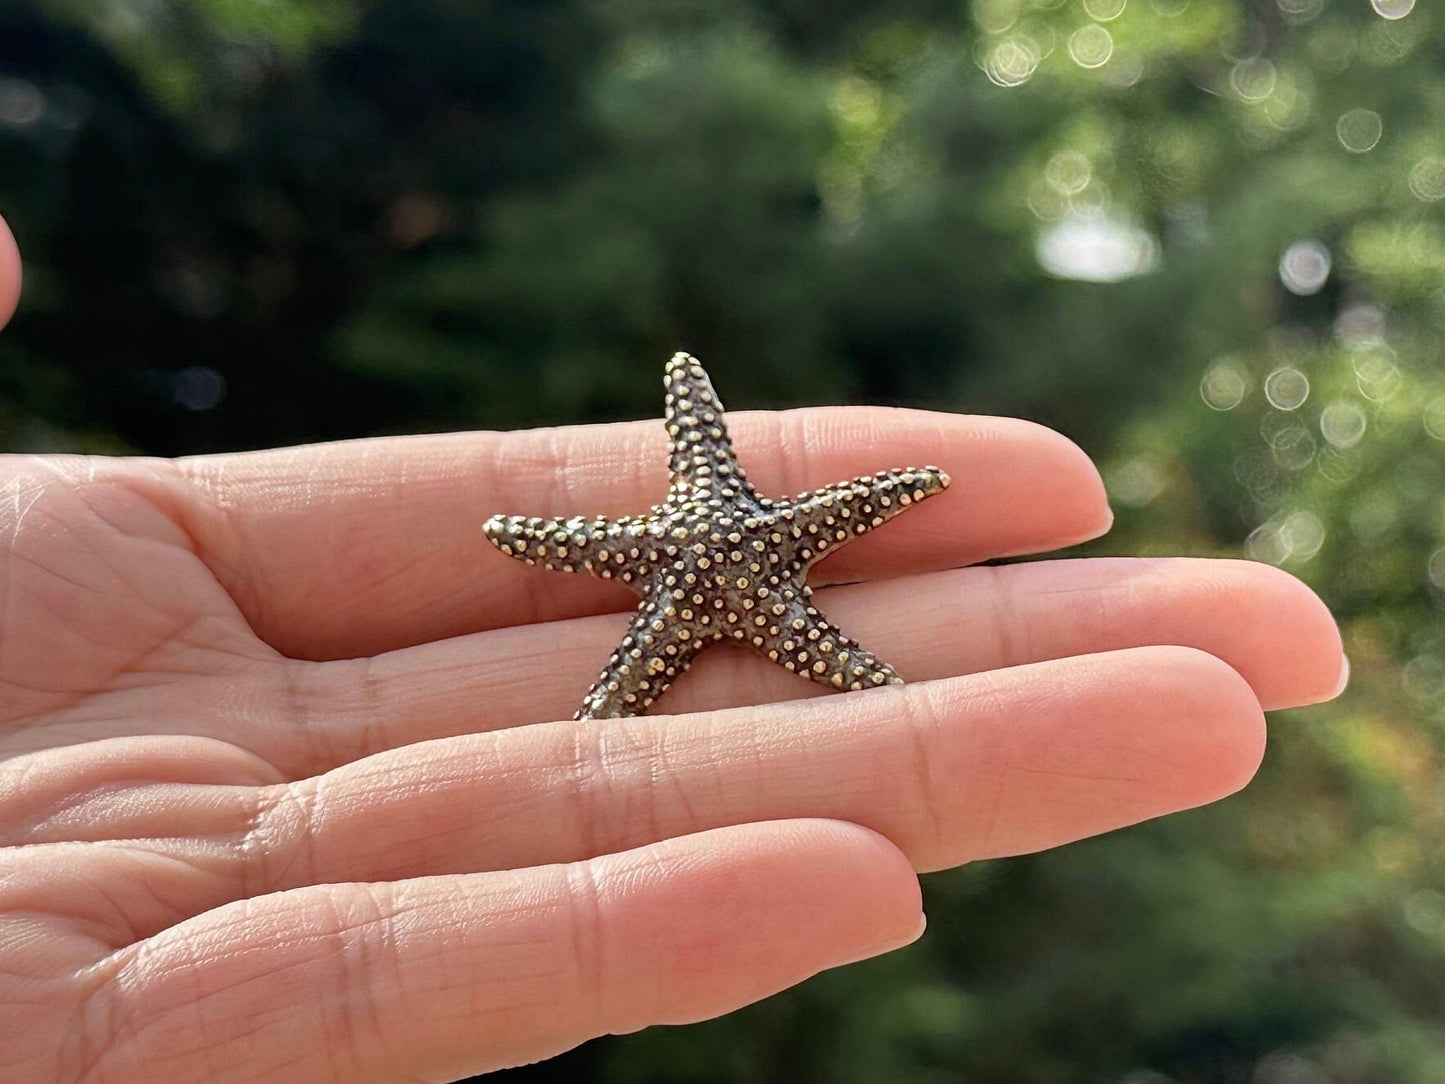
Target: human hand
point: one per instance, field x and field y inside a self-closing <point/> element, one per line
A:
<point x="281" y="797"/>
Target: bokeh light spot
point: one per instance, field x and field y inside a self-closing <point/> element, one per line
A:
<point x="1135" y="482"/>
<point x="1104" y="10"/>
<point x="1433" y="418"/>
<point x="1427" y="179"/>
<point x="1012" y="62"/>
<point x="1265" y="544"/>
<point x="1224" y="385"/>
<point x="1423" y="678"/>
<point x="1293" y="447"/>
<point x="1254" y="79"/>
<point x="995" y="16"/>
<point x="1375" y="514"/>
<point x="1288" y="108"/>
<point x="1286" y="389"/>
<point x="199" y="387"/>
<point x="1393" y="9"/>
<point x="1304" y="533"/>
<point x="1435" y="568"/>
<point x="1299" y="11"/>
<point x="21" y="103"/>
<point x="1096" y="248"/>
<point x="1376" y="373"/>
<point x="1293" y="536"/>
<point x="1091" y="46"/>
<point x="1359" y="130"/>
<point x="1124" y="71"/>
<point x="1342" y="423"/>
<point x="1360" y="326"/>
<point x="1425" y="912"/>
<point x="1068" y="173"/>
<point x="1304" y="267"/>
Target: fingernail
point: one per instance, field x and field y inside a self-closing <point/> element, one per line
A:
<point x="1344" y="677"/>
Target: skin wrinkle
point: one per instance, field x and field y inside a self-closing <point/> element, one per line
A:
<point x="282" y="834"/>
<point x="229" y="571"/>
<point x="20" y="514"/>
<point x="588" y="939"/>
<point x="204" y="481"/>
<point x="560" y="491"/>
<point x="155" y="503"/>
<point x="7" y="600"/>
<point x="986" y="688"/>
<point x="352" y="695"/>
<point x="41" y="819"/>
<point x="1000" y="606"/>
<point x="174" y="958"/>
<point x="588" y="761"/>
<point x="308" y="714"/>
<point x="924" y="722"/>
<point x="369" y="723"/>
<point x="102" y="1019"/>
<point x="357" y="964"/>
<point x="82" y="904"/>
<point x="613" y="800"/>
<point x="149" y="903"/>
<point x="159" y="642"/>
<point x="662" y="778"/>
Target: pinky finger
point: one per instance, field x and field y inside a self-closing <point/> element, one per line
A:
<point x="442" y="977"/>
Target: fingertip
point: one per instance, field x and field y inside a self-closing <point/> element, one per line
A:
<point x="775" y="902"/>
<point x="9" y="273"/>
<point x="1223" y="725"/>
<point x="863" y="856"/>
<point x="1068" y="484"/>
<point x="1110" y="740"/>
<point x="1316" y="651"/>
<point x="1296" y="656"/>
<point x="1095" y="517"/>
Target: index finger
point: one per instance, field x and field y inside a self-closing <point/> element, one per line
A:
<point x="343" y="550"/>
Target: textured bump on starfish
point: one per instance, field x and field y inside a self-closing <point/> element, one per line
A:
<point x="717" y="561"/>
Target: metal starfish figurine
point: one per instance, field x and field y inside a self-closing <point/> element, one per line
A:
<point x="717" y="561"/>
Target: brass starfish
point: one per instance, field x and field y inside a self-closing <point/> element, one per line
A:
<point x="716" y="561"/>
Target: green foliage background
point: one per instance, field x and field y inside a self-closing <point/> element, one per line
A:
<point x="250" y="224"/>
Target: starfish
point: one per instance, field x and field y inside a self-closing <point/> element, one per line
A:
<point x="716" y="561"/>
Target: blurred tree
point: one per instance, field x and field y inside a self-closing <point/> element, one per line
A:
<point x="1202" y="236"/>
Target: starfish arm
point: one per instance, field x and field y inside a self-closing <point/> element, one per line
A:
<point x="611" y="549"/>
<point x="701" y="458"/>
<point x="654" y="651"/>
<point x="827" y="518"/>
<point x="792" y="632"/>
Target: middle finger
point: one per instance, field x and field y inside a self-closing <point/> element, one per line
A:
<point x="1266" y="624"/>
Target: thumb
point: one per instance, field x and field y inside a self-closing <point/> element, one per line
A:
<point x="9" y="273"/>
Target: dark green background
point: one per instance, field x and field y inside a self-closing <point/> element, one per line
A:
<point x="249" y="224"/>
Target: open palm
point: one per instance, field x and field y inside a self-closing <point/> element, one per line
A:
<point x="282" y="797"/>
